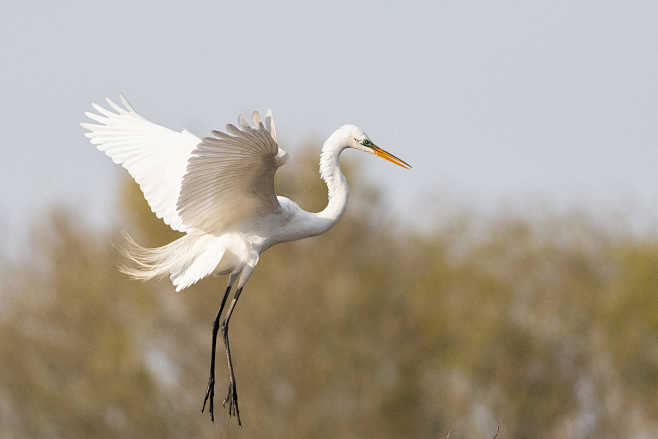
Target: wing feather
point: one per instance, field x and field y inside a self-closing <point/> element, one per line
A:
<point x="155" y="156"/>
<point x="230" y="177"/>
<point x="193" y="184"/>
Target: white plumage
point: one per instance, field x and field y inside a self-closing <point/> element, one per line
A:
<point x="230" y="178"/>
<point x="155" y="156"/>
<point x="206" y="188"/>
<point x="219" y="191"/>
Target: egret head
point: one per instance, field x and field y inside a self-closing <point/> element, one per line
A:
<point x="358" y="139"/>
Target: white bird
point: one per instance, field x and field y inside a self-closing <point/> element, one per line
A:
<point x="219" y="191"/>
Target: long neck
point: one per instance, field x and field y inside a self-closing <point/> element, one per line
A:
<point x="335" y="181"/>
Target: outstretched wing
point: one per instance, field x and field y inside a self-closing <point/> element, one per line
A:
<point x="230" y="177"/>
<point x="155" y="156"/>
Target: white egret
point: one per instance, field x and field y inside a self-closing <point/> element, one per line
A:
<point x="219" y="191"/>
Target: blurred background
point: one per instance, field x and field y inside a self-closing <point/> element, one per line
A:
<point x="510" y="278"/>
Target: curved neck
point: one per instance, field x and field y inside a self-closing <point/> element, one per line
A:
<point x="335" y="181"/>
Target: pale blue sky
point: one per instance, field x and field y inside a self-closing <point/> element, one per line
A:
<point x="492" y="102"/>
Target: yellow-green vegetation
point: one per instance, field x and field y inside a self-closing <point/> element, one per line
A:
<point x="549" y="329"/>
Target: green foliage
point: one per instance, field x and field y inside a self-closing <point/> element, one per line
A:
<point x="371" y="330"/>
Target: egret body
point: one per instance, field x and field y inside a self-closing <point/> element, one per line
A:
<point x="219" y="191"/>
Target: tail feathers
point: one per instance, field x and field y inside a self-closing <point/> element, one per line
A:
<point x="186" y="260"/>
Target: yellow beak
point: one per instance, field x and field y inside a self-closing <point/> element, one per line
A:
<point x="390" y="157"/>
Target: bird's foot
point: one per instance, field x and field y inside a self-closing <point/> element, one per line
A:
<point x="210" y="395"/>
<point x="232" y="400"/>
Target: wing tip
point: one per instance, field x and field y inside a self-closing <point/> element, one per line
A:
<point x="269" y="119"/>
<point x="126" y="103"/>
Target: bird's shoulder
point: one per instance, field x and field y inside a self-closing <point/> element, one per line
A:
<point x="288" y="207"/>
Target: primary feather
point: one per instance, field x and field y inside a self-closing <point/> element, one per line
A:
<point x="230" y="178"/>
<point x="155" y="156"/>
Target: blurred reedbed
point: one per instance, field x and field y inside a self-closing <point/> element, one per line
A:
<point x="376" y="331"/>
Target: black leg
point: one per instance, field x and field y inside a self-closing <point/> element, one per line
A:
<point x="232" y="395"/>
<point x="210" y="393"/>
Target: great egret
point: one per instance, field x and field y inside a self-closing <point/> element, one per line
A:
<point x="219" y="191"/>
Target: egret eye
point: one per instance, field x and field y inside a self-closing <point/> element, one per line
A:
<point x="366" y="142"/>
